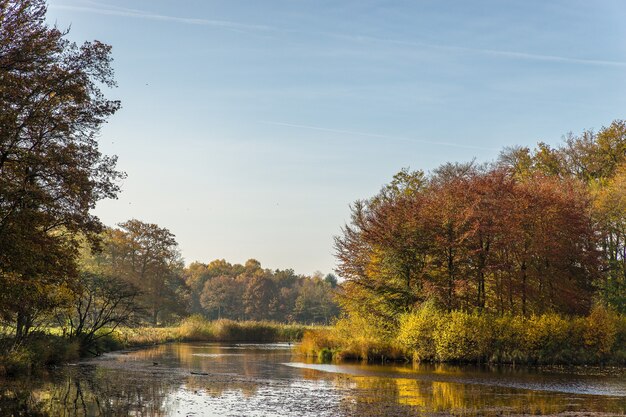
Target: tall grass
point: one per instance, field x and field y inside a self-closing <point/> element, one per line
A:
<point x="431" y="335"/>
<point x="50" y="348"/>
<point x="198" y="329"/>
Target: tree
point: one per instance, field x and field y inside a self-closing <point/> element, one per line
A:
<point x="315" y="302"/>
<point x="51" y="171"/>
<point x="484" y="239"/>
<point x="260" y="298"/>
<point x="610" y="213"/>
<point x="331" y="280"/>
<point x="103" y="304"/>
<point x="146" y="256"/>
<point x="383" y="255"/>
<point x="223" y="295"/>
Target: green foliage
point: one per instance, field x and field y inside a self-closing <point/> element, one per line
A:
<point x="463" y="337"/>
<point x="198" y="329"/>
<point x="325" y="355"/>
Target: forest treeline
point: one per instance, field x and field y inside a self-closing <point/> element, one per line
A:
<point x="541" y="230"/>
<point x="144" y="258"/>
<point x="522" y="259"/>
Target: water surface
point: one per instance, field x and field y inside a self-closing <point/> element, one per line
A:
<point x="269" y="380"/>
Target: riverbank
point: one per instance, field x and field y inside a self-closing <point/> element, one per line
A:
<point x="432" y="335"/>
<point x="49" y="347"/>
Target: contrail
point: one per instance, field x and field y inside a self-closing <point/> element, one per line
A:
<point x="225" y="24"/>
<point x="483" y="51"/>
<point x="375" y="135"/>
<point x="104" y="9"/>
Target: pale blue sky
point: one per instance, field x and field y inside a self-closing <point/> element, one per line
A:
<point x="248" y="127"/>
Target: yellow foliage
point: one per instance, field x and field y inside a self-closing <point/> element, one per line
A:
<point x="601" y="330"/>
<point x="417" y="332"/>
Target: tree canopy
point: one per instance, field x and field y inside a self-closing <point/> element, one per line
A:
<point x="51" y="170"/>
<point x="536" y="231"/>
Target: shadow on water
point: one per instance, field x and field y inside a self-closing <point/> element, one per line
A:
<point x="268" y="380"/>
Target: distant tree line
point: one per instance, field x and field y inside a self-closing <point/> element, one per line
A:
<point x="541" y="230"/>
<point x="249" y="292"/>
<point x="144" y="258"/>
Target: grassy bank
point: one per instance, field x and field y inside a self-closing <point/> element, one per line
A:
<point x="46" y="348"/>
<point x="432" y="335"/>
<point x="197" y="329"/>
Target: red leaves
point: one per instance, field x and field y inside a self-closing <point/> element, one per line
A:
<point x="475" y="239"/>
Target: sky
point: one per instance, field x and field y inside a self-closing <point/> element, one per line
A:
<point x="248" y="128"/>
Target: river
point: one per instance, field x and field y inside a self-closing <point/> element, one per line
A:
<point x="207" y="379"/>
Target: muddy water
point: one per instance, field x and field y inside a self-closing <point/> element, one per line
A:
<point x="269" y="380"/>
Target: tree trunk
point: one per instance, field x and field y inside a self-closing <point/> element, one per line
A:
<point x="524" y="288"/>
<point x="22" y="326"/>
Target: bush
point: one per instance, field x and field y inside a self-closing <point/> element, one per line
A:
<point x="508" y="333"/>
<point x="418" y="330"/>
<point x="38" y="350"/>
<point x="16" y="362"/>
<point x="352" y="337"/>
<point x="429" y="334"/>
<point x="600" y="333"/>
<point x="463" y="337"/>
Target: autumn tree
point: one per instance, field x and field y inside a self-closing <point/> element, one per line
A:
<point x="251" y="292"/>
<point x="384" y="251"/>
<point x="596" y="159"/>
<point x="610" y="213"/>
<point x="315" y="302"/>
<point x="222" y="297"/>
<point x="51" y="171"/>
<point x="471" y="238"/>
<point x="147" y="256"/>
<point x="260" y="298"/>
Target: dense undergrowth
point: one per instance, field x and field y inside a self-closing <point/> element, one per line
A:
<point x="432" y="335"/>
<point x="47" y="348"/>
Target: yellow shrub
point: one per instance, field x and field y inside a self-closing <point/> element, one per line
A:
<point x="601" y="330"/>
<point x="417" y="332"/>
<point x="463" y="337"/>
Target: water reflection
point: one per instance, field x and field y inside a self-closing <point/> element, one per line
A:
<point x="254" y="380"/>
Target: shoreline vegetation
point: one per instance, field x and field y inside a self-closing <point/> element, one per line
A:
<point x="50" y="348"/>
<point x="429" y="334"/>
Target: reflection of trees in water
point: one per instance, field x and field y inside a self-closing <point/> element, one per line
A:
<point x="373" y="396"/>
<point x="88" y="392"/>
<point x="129" y="385"/>
<point x="17" y="398"/>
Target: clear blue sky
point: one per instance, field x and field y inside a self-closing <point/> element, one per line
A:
<point x="248" y="127"/>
